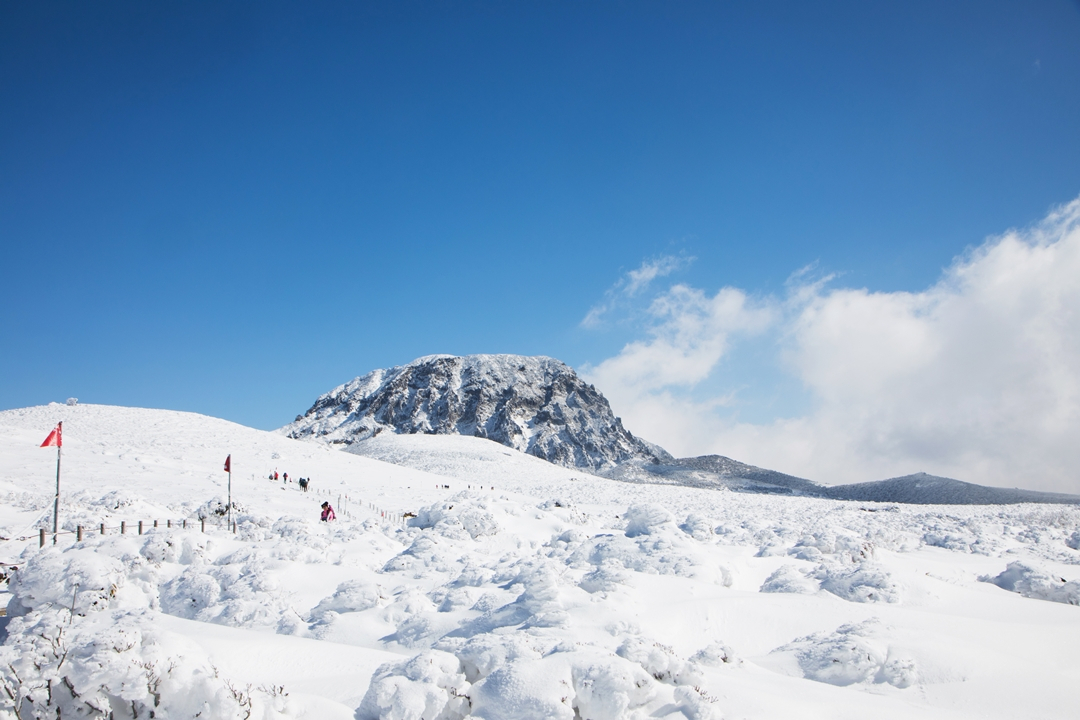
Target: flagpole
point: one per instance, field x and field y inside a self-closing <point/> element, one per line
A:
<point x="56" y="500"/>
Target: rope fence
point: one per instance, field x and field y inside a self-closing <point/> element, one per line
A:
<point x="216" y="523"/>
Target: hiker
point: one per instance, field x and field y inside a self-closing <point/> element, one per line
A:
<point x="327" y="513"/>
<point x="303" y="484"/>
<point x="285" y="477"/>
<point x="275" y="475"/>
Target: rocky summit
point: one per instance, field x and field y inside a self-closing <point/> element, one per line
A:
<point x="537" y="405"/>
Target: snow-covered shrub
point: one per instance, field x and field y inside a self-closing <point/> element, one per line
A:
<point x="605" y="577"/>
<point x="217" y="509"/>
<point x="646" y="519"/>
<point x="714" y="655"/>
<point x="606" y="688"/>
<point x="526" y="689"/>
<point x="789" y="579"/>
<point x="350" y="596"/>
<point x="662" y="550"/>
<point x="660" y="661"/>
<point x="166" y="546"/>
<point x="79" y="579"/>
<point x="805" y="552"/>
<point x="845" y="547"/>
<point x="772" y="548"/>
<point x="1074" y="540"/>
<point x="851" y="654"/>
<point x="539" y="602"/>
<point x="429" y="686"/>
<point x="1031" y="582"/>
<point x="697" y="527"/>
<point x="406" y="603"/>
<point x="565" y="510"/>
<point x="82" y="642"/>
<point x="122" y="667"/>
<point x="696" y="704"/>
<point x="425" y="554"/>
<point x="866" y="582"/>
<point x="484" y="654"/>
<point x="452" y="598"/>
<point x="450" y="518"/>
<point x="236" y="590"/>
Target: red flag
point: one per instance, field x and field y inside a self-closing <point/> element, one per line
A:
<point x="228" y="464"/>
<point x="54" y="437"/>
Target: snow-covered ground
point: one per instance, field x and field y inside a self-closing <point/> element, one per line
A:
<point x="523" y="590"/>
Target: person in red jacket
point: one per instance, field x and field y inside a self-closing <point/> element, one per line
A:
<point x="327" y="512"/>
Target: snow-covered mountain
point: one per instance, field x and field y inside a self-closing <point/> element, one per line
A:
<point x="537" y="405"/>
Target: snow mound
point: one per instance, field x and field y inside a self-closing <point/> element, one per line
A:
<point x="1031" y="582"/>
<point x="429" y="685"/>
<point x="789" y="579"/>
<point x="853" y="653"/>
<point x="866" y="582"/>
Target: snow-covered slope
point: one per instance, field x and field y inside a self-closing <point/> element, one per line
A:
<point x="519" y="590"/>
<point x="533" y="404"/>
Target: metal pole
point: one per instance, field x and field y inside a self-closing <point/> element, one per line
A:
<point x="230" y="491"/>
<point x="56" y="500"/>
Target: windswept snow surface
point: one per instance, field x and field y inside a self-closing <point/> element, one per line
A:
<point x="522" y="590"/>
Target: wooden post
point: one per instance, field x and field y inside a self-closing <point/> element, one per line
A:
<point x="41" y="538"/>
<point x="168" y="523"/>
<point x="102" y="528"/>
<point x="185" y="523"/>
<point x="234" y="528"/>
<point x="228" y="463"/>
<point x="155" y="523"/>
<point x="203" y="522"/>
<point x="123" y="527"/>
<point x="78" y="533"/>
<point x="140" y="527"/>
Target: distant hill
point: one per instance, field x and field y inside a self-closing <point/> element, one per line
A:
<point x="714" y="471"/>
<point x="925" y="489"/>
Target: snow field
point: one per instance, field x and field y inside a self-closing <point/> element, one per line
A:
<point x="557" y="594"/>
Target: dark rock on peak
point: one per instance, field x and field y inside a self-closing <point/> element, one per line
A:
<point x="537" y="405"/>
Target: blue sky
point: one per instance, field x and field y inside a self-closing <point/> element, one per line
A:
<point x="230" y="208"/>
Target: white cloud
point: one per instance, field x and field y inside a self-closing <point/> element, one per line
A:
<point x="977" y="377"/>
<point x="633" y="283"/>
<point x="689" y="334"/>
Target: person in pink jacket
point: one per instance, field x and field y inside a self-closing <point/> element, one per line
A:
<point x="327" y="512"/>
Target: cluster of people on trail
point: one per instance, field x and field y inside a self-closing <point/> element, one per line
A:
<point x="304" y="483"/>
